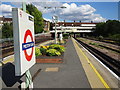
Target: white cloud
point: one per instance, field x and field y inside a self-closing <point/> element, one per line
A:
<point x="82" y="12"/>
<point x="41" y="6"/>
<point x="6" y="10"/>
<point x="71" y="12"/>
<point x="61" y="0"/>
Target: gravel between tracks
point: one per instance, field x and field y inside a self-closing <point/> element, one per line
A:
<point x="104" y="50"/>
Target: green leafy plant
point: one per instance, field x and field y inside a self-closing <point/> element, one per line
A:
<point x="57" y="47"/>
<point x="65" y="36"/>
<point x="53" y="52"/>
<point x="100" y="38"/>
<point x="54" y="46"/>
<point x="43" y="51"/>
<point x="62" y="49"/>
<point x="37" y="52"/>
<point x="95" y="44"/>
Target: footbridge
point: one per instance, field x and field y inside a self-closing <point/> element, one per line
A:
<point x="74" y="27"/>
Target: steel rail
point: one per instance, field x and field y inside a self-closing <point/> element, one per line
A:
<point x="111" y="63"/>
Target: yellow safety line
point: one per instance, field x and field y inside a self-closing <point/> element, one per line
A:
<point x="6" y="61"/>
<point x="100" y="77"/>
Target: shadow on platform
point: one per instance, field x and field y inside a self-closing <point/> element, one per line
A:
<point x="8" y="75"/>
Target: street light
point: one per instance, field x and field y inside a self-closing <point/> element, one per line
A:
<point x="55" y="19"/>
<point x="62" y="31"/>
<point x="61" y="36"/>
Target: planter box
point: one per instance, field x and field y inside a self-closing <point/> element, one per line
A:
<point x="49" y="59"/>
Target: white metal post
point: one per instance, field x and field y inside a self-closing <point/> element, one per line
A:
<point x="24" y="6"/>
<point x="28" y="82"/>
<point x="55" y="33"/>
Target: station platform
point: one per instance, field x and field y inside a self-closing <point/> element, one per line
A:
<point x="76" y="71"/>
<point x="69" y="74"/>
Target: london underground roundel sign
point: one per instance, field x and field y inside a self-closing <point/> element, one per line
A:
<point x="24" y="51"/>
<point x="28" y="45"/>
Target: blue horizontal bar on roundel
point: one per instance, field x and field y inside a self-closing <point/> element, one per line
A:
<point x="27" y="45"/>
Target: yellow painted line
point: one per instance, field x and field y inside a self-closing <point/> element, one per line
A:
<point x="9" y="60"/>
<point x="100" y="77"/>
<point x="0" y="64"/>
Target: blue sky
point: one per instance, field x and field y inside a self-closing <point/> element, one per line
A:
<point x="108" y="10"/>
<point x="104" y="10"/>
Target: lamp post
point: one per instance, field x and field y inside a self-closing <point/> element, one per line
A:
<point x="61" y="36"/>
<point x="55" y="19"/>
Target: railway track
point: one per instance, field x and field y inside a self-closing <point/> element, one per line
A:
<point x="111" y="63"/>
<point x="9" y="50"/>
<point x="114" y="42"/>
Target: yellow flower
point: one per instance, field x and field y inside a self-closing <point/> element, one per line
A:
<point x="47" y="46"/>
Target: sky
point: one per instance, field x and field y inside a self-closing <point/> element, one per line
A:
<point x="78" y="11"/>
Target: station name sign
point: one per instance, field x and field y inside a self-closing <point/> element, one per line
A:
<point x="27" y="45"/>
<point x="23" y="27"/>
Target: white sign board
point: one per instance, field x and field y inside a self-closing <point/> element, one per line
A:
<point x="23" y="27"/>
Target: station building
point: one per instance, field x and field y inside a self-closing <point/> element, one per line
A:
<point x="4" y="20"/>
<point x="46" y="26"/>
<point x="9" y="20"/>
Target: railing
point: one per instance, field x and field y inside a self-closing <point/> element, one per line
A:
<point x="6" y="39"/>
<point x="11" y="39"/>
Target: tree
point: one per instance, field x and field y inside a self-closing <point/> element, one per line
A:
<point x="38" y="20"/>
<point x="99" y="30"/>
<point x="112" y="27"/>
<point x="109" y="29"/>
<point x="7" y="30"/>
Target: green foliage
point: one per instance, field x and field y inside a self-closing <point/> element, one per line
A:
<point x="100" y="38"/>
<point x="61" y="49"/>
<point x="99" y="29"/>
<point x="7" y="30"/>
<point x="115" y="37"/>
<point x="54" y="46"/>
<point x="37" y="52"/>
<point x="57" y="47"/>
<point x="93" y="44"/>
<point x="65" y="36"/>
<point x="53" y="52"/>
<point x="43" y="51"/>
<point x="38" y="20"/>
<point x="108" y="29"/>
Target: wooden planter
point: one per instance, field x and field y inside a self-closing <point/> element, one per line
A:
<point x="49" y="59"/>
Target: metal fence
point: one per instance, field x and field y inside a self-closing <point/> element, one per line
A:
<point x="11" y="39"/>
<point x="5" y="40"/>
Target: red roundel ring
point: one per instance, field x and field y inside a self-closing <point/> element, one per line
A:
<point x="28" y="57"/>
